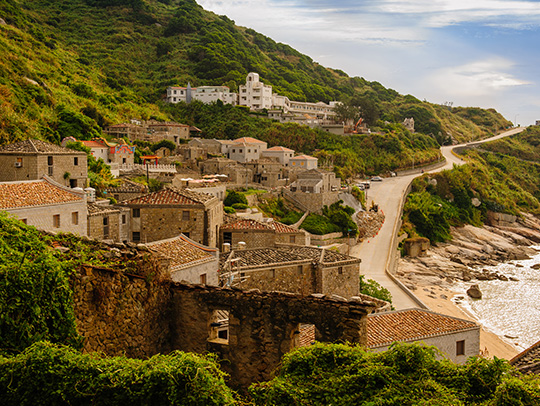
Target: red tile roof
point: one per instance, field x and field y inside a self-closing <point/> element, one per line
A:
<point x="282" y="149"/>
<point x="282" y="228"/>
<point x="303" y="157"/>
<point x="15" y="195"/>
<point x="246" y="224"/>
<point x="248" y="140"/>
<point x="94" y="144"/>
<point x="183" y="252"/>
<point x="411" y="325"/>
<point x="170" y="196"/>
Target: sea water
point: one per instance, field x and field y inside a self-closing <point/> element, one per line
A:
<point x="510" y="309"/>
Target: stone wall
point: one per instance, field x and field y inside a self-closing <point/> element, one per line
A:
<point x="314" y="202"/>
<point x="501" y="219"/>
<point x="252" y="238"/>
<point x="121" y="314"/>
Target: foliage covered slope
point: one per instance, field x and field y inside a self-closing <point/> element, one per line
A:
<point x="72" y="66"/>
<point x="504" y="176"/>
<point x="404" y="375"/>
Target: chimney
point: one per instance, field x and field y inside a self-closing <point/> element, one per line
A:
<point x="226" y="247"/>
<point x="90" y="194"/>
<point x="241" y="245"/>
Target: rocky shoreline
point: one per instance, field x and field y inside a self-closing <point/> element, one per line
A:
<point x="470" y="250"/>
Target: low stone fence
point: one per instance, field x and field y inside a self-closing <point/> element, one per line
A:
<point x="151" y="168"/>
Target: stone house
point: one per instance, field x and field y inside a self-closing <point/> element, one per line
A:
<point x="256" y="234"/>
<point x="212" y="146"/>
<point x="106" y="222"/>
<point x="281" y="154"/>
<point x="316" y="181"/>
<point x="168" y="212"/>
<point x="186" y="260"/>
<point x="151" y="131"/>
<point x="32" y="159"/>
<point x="45" y="204"/>
<point x="246" y="149"/>
<point x="267" y="172"/>
<point x="111" y="152"/>
<point x="303" y="162"/>
<point x="126" y="190"/>
<point x="295" y="269"/>
<point x="458" y="339"/>
<point x="215" y="165"/>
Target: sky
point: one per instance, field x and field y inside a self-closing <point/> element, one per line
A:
<point x="474" y="53"/>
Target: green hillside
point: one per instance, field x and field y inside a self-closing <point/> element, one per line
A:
<point x="70" y="67"/>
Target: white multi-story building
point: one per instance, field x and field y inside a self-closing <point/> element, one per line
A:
<point x="255" y="94"/>
<point x="206" y="94"/>
<point x="304" y="162"/>
<point x="246" y="149"/>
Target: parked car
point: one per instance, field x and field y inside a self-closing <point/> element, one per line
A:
<point x="376" y="179"/>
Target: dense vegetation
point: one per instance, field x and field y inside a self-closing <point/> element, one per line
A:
<point x="72" y="67"/>
<point x="374" y="289"/>
<point x="405" y="375"/>
<point x="501" y="176"/>
<point x="49" y="374"/>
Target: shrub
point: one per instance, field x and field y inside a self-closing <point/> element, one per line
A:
<point x="234" y="197"/>
<point x="240" y="206"/>
<point x="51" y="374"/>
<point x="229" y="210"/>
<point x="319" y="225"/>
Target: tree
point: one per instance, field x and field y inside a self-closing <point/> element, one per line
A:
<point x="234" y="197"/>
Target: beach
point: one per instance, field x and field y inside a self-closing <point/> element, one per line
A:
<point x="494" y="258"/>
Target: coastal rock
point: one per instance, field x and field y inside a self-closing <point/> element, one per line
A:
<point x="466" y="275"/>
<point x="474" y="292"/>
<point x="535" y="266"/>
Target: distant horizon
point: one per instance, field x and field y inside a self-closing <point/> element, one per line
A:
<point x="471" y="55"/>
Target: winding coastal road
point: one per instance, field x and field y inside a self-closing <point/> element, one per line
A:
<point x="389" y="194"/>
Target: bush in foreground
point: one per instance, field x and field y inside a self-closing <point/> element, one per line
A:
<point x="50" y="374"/>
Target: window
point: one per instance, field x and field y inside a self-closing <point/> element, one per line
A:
<point x="49" y="160"/>
<point x="460" y="347"/>
<point x="50" y="171"/>
<point x="234" y="151"/>
<point x="18" y="163"/>
<point x="56" y="221"/>
<point x="219" y="326"/>
<point x="185" y="215"/>
<point x="72" y="183"/>
<point x="106" y="227"/>
<point x="123" y="219"/>
<point x="136" y="236"/>
<point x="340" y="270"/>
<point x="292" y="239"/>
<point x="75" y="218"/>
<point x="76" y="161"/>
<point x="272" y="273"/>
<point x="203" y="279"/>
<point x="136" y="213"/>
<point x="299" y="270"/>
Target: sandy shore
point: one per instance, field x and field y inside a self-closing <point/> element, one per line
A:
<point x="491" y="345"/>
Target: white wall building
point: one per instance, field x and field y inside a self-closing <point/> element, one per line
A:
<point x="246" y="149"/>
<point x="303" y="162"/>
<point x="206" y="94"/>
<point x="255" y="93"/>
<point x="458" y="339"/>
<point x="282" y="154"/>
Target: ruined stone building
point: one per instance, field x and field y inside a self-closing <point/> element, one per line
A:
<point x="46" y="205"/>
<point x="250" y="331"/>
<point x="268" y="172"/>
<point x="32" y="159"/>
<point x="186" y="260"/>
<point x="256" y="234"/>
<point x="296" y="269"/>
<point x="151" y="131"/>
<point x="170" y="211"/>
<point x="126" y="190"/>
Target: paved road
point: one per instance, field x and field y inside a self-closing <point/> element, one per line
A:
<point x="375" y="251"/>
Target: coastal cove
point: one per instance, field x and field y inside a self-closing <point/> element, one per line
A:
<point x="502" y="262"/>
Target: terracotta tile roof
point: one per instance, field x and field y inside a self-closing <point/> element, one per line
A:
<point x="183" y="252"/>
<point x="282" y="228"/>
<point x="34" y="193"/>
<point x="35" y="146"/>
<point x="306" y="157"/>
<point x="170" y="196"/>
<point x="95" y="209"/>
<point x="528" y="361"/>
<point x="254" y="258"/>
<point x="281" y="149"/>
<point x="246" y="224"/>
<point x="248" y="140"/>
<point x="94" y="144"/>
<point x="411" y="325"/>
